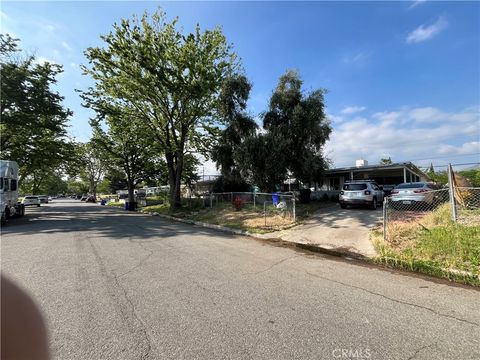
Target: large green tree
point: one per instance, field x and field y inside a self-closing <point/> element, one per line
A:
<point x="169" y="78"/>
<point x="34" y="121"/>
<point x="296" y="130"/>
<point x="129" y="145"/>
<point x="238" y="126"/>
<point x="93" y="162"/>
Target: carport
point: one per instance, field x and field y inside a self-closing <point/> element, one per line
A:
<point x="393" y="174"/>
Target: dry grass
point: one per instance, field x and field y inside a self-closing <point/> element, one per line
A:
<point x="433" y="244"/>
<point x="402" y="234"/>
<point x="249" y="219"/>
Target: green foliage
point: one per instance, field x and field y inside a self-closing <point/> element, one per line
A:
<point x="231" y="111"/>
<point x="472" y="175"/>
<point x="230" y="184"/>
<point x="296" y="131"/>
<point x="75" y="186"/>
<point x="127" y="143"/>
<point x="386" y="161"/>
<point x="51" y="184"/>
<point x="170" y="79"/>
<point x="92" y="164"/>
<point x="440" y="177"/>
<point x="34" y="121"/>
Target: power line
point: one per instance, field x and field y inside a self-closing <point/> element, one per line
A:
<point x="464" y="164"/>
<point x="444" y="157"/>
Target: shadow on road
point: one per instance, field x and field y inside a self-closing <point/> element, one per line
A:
<point x="73" y="216"/>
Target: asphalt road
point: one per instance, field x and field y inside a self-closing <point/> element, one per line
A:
<point x="116" y="285"/>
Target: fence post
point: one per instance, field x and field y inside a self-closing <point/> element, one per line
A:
<point x="294" y="214"/>
<point x="254" y="196"/>
<point x="265" y="212"/>
<point x="385" y="219"/>
<point x="451" y="191"/>
<point x="211" y="200"/>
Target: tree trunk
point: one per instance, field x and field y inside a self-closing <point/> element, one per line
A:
<point x="171" y="179"/>
<point x="131" y="194"/>
<point x="178" y="180"/>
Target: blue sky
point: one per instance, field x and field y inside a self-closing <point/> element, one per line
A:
<point x="403" y="78"/>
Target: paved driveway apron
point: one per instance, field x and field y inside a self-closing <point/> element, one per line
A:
<point x="338" y="229"/>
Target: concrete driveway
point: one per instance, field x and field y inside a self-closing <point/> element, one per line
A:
<point x="344" y="230"/>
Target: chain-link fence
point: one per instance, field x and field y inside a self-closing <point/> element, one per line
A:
<point x="410" y="210"/>
<point x="467" y="202"/>
<point x="259" y="210"/>
<point x="406" y="213"/>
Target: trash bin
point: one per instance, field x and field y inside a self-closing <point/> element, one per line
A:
<point x="103" y="202"/>
<point x="132" y="206"/>
<point x="126" y="205"/>
<point x="275" y="198"/>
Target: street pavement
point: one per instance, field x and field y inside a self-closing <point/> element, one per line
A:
<point x="118" y="285"/>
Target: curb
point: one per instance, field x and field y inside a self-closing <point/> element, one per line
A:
<point x="276" y="240"/>
<point x="345" y="254"/>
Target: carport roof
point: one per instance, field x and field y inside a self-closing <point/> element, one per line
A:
<point x="397" y="166"/>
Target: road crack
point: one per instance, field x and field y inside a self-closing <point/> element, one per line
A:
<point x="271" y="266"/>
<point x="421" y="349"/>
<point x="396" y="300"/>
<point x="115" y="286"/>
<point x="141" y="262"/>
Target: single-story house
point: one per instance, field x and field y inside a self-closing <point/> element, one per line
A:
<point x="392" y="174"/>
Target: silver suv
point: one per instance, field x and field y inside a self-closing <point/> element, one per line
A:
<point x="361" y="192"/>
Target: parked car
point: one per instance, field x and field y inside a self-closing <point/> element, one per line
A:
<point x="415" y="195"/>
<point x="361" y="192"/>
<point x="387" y="189"/>
<point x="43" y="199"/>
<point x="31" y="200"/>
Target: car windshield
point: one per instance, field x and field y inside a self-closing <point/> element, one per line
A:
<point x="410" y="186"/>
<point x="354" y="186"/>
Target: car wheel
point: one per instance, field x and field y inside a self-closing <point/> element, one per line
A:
<point x="343" y="206"/>
<point x="4" y="219"/>
<point x="38" y="205"/>
<point x="374" y="204"/>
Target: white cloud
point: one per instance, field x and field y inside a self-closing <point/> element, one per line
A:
<point x="426" y="114"/>
<point x="43" y="60"/>
<point x="359" y="58"/>
<point x="415" y="3"/>
<point x="466" y="148"/>
<point x="352" y="109"/>
<point x="4" y="16"/>
<point x="407" y="134"/>
<point x="423" y="33"/>
<point x="66" y="46"/>
<point x="388" y="116"/>
<point x="335" y="118"/>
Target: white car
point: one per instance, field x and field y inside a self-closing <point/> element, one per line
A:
<point x="31" y="200"/>
<point x="43" y="199"/>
